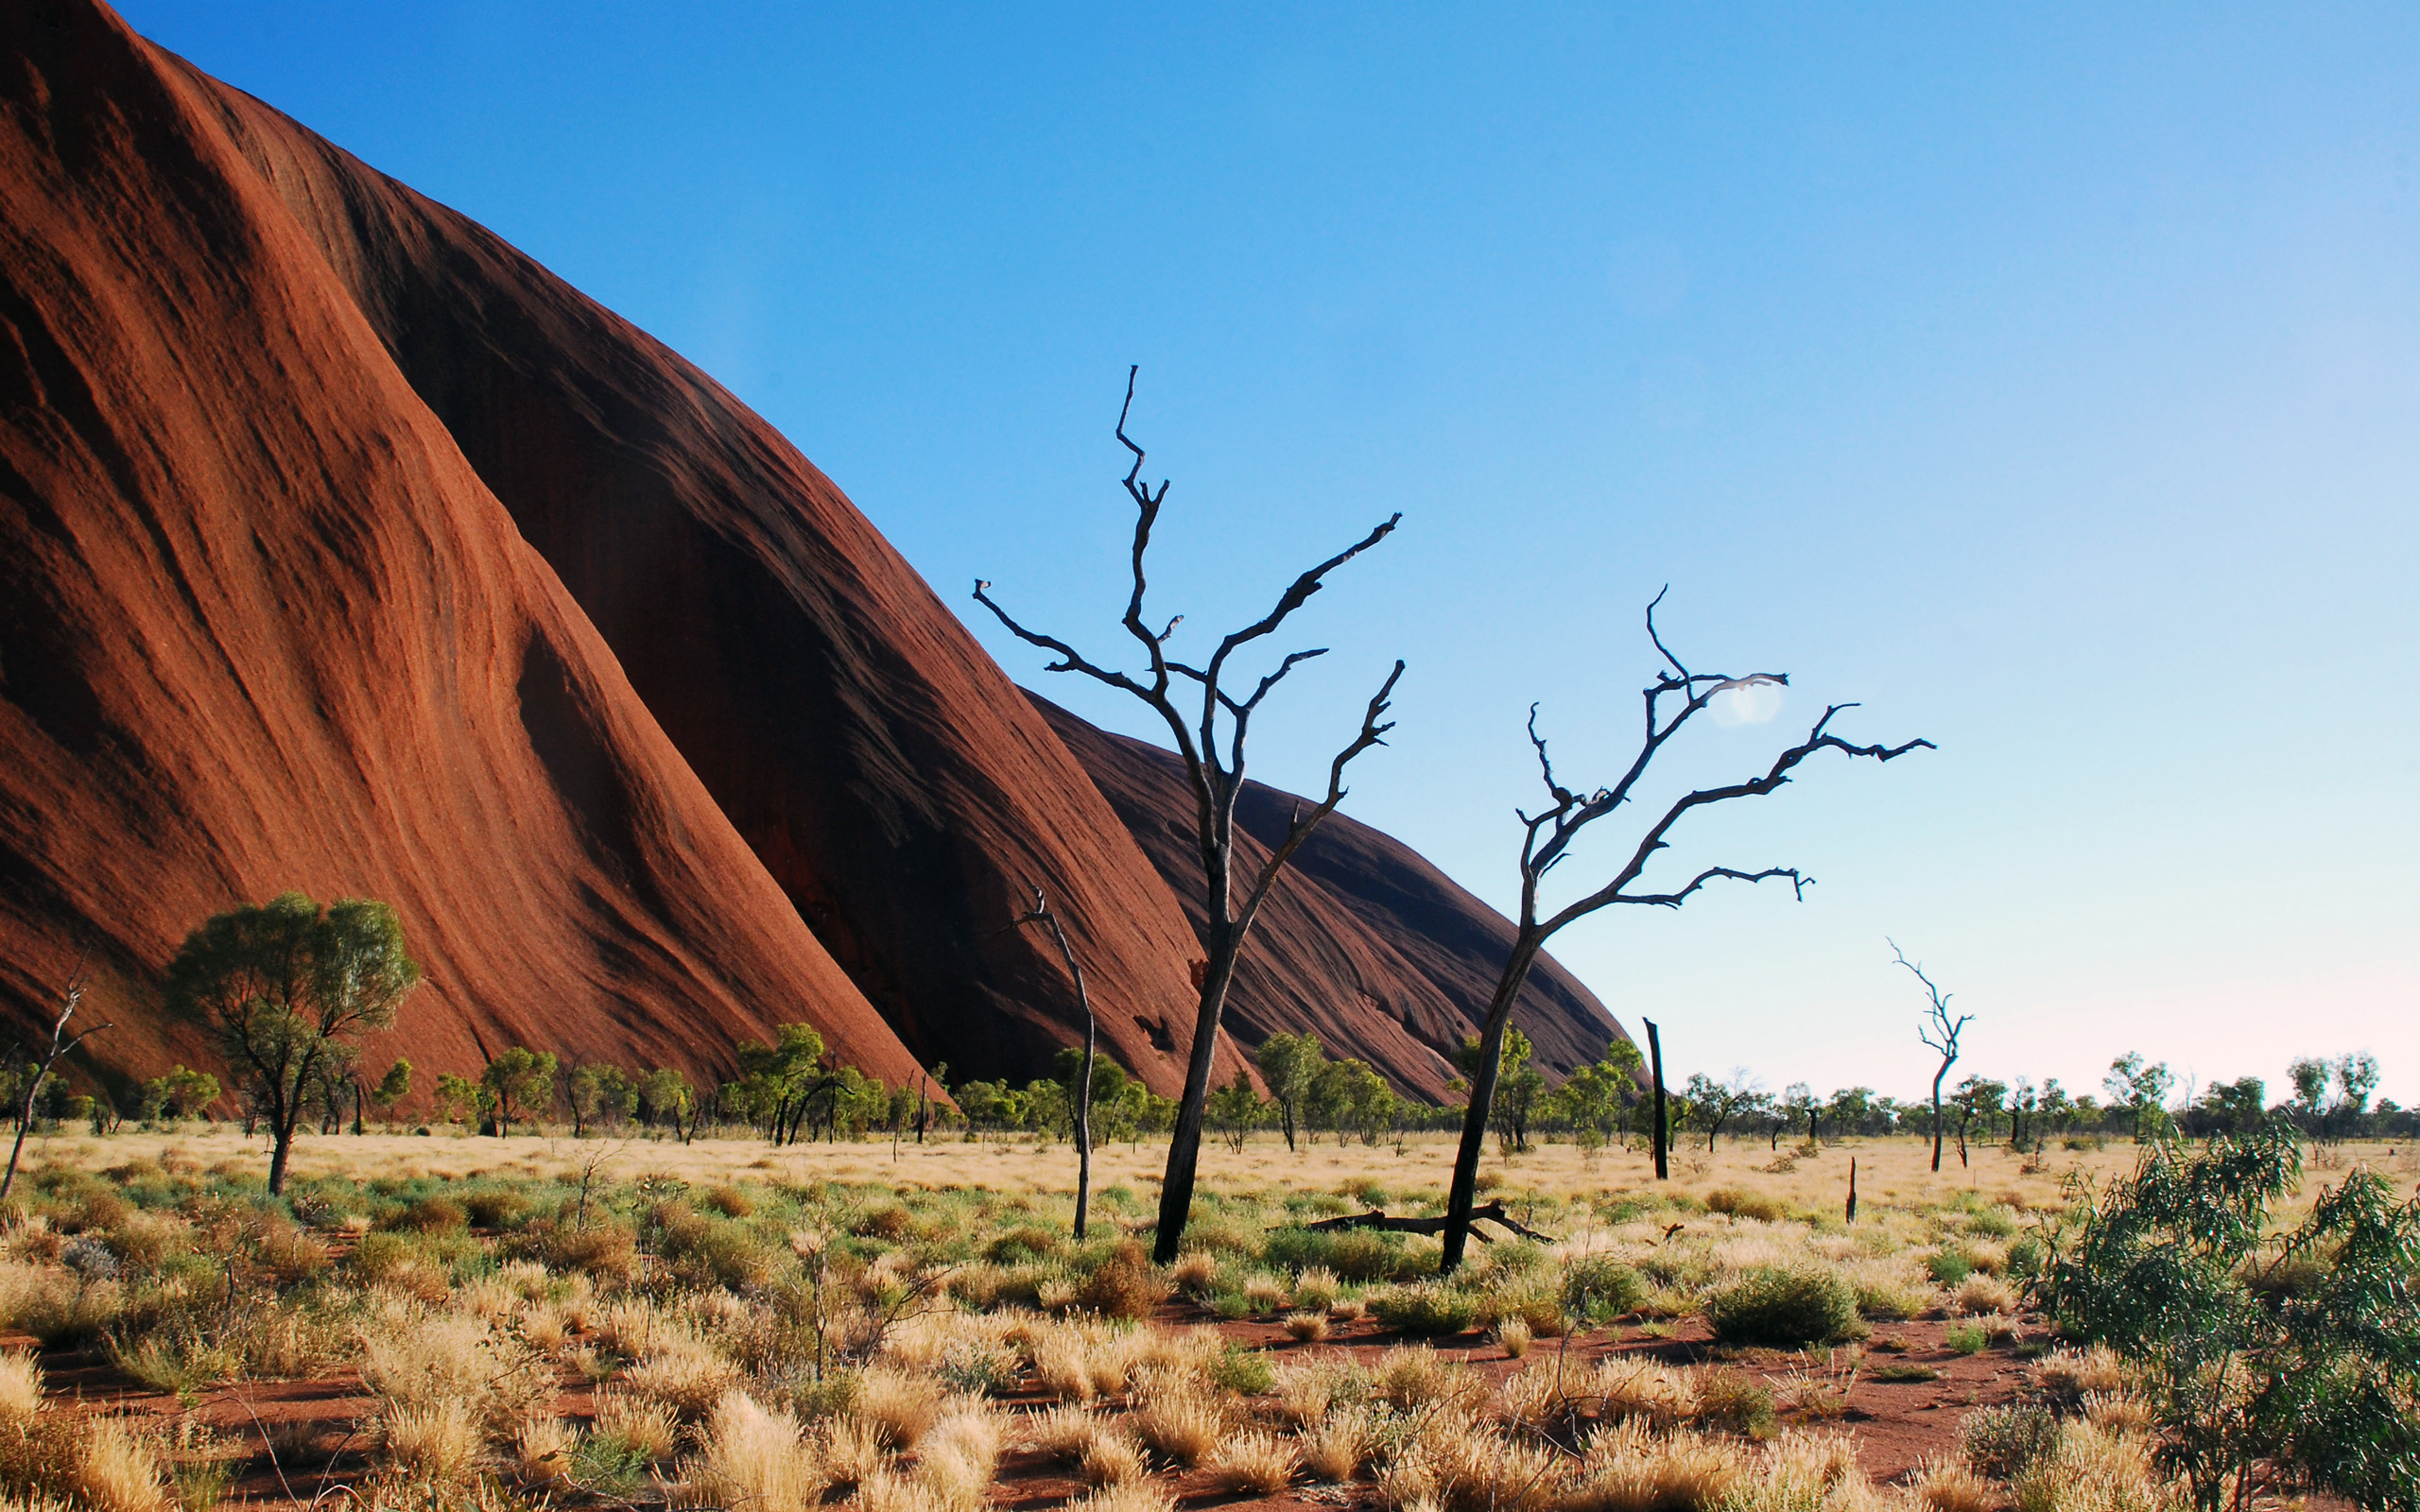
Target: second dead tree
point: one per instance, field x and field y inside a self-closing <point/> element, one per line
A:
<point x="1040" y="913"/>
<point x="1938" y="1032"/>
<point x="1547" y="838"/>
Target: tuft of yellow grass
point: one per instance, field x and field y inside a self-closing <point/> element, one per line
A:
<point x="2094" y="1470"/>
<point x="646" y="1427"/>
<point x="1310" y="1328"/>
<point x="899" y="1408"/>
<point x="958" y="1455"/>
<point x="1259" y="1462"/>
<point x="1630" y="1468"/>
<point x="1127" y="1496"/>
<point x="2072" y="1374"/>
<point x="20" y="1387"/>
<point x="1949" y="1486"/>
<point x="1185" y="1425"/>
<point x="753" y="1457"/>
<point x="542" y="1450"/>
<point x="682" y="1371"/>
<point x="1334" y="1448"/>
<point x="1110" y="1458"/>
<point x="434" y="1442"/>
<point x="1981" y="1293"/>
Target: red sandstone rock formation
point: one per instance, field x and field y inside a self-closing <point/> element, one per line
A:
<point x="344" y="547"/>
<point x="262" y="627"/>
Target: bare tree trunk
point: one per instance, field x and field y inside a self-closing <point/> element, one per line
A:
<point x="1083" y="1092"/>
<point x="1656" y="1052"/>
<point x="1936" y="1114"/>
<point x="71" y="998"/>
<point x="1464" y="1191"/>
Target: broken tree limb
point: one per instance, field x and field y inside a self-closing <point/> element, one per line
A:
<point x="1377" y="1218"/>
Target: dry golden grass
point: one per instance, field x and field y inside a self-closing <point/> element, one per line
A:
<point x="1258" y="1463"/>
<point x="1632" y="1468"/>
<point x="647" y="1428"/>
<point x="1947" y="1486"/>
<point x="542" y="1450"/>
<point x="1110" y="1458"/>
<point x="1306" y="1327"/>
<point x="20" y="1387"/>
<point x="116" y="1470"/>
<point x="1335" y="1448"/>
<point x="436" y="1441"/>
<point x="753" y="1457"/>
<point x="1890" y="1171"/>
<point x="1127" y="1496"/>
<point x="899" y="1408"/>
<point x="1184" y="1426"/>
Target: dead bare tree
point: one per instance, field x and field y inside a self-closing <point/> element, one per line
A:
<point x="1217" y="777"/>
<point x="1547" y="838"/>
<point x="1040" y="913"/>
<point x="70" y="999"/>
<point x="1938" y="1032"/>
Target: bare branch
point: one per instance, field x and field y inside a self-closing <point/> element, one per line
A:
<point x="1297" y="596"/>
<point x="1372" y="732"/>
<point x="1798" y="884"/>
<point x="1659" y="640"/>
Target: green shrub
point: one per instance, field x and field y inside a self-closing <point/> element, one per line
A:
<point x="1993" y="1223"/>
<point x="1740" y="1204"/>
<point x="429" y="1215"/>
<point x="1244" y="1372"/>
<point x="1598" y="1288"/>
<point x="1967" y="1338"/>
<point x="1428" y="1308"/>
<point x="494" y="1207"/>
<point x="1948" y="1267"/>
<point x="1022" y="1246"/>
<point x="2315" y="1384"/>
<point x="1738" y="1404"/>
<point x="2003" y="1442"/>
<point x="1355" y="1254"/>
<point x="1785" y="1306"/>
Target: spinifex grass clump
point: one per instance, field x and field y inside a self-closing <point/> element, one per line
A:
<point x="1785" y="1306"/>
<point x="2252" y="1387"/>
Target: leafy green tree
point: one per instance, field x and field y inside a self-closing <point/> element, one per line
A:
<point x="518" y="1080"/>
<point x="1851" y="1108"/>
<point x="1236" y="1110"/>
<point x="1717" y="1103"/>
<point x="780" y="1085"/>
<point x="182" y="1094"/>
<point x="392" y="1087"/>
<point x="1518" y="1085"/>
<point x="1597" y="1099"/>
<point x="2267" y="1358"/>
<point x="284" y="986"/>
<point x="2236" y="1107"/>
<point x="2141" y="1089"/>
<point x="1291" y="1064"/>
<point x="458" y="1099"/>
<point x="1799" y="1100"/>
<point x="601" y="1094"/>
<point x="1978" y="1100"/>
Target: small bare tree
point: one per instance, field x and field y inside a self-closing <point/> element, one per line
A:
<point x="1213" y="754"/>
<point x="1040" y="913"/>
<point x="1938" y="1032"/>
<point x="38" y="1069"/>
<point x="1547" y="838"/>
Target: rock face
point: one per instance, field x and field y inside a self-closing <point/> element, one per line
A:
<point x="263" y="627"/>
<point x="343" y="547"/>
<point x="1361" y="938"/>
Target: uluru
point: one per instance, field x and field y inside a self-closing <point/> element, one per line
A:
<point x="344" y="548"/>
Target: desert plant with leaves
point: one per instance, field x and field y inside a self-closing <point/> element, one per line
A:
<point x="2255" y="1384"/>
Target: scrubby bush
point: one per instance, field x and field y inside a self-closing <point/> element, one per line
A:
<point x="1598" y="1289"/>
<point x="1740" y="1204"/>
<point x="1124" y="1285"/>
<point x="1355" y="1254"/>
<point x="1427" y="1308"/>
<point x="2004" y="1442"/>
<point x="1785" y="1306"/>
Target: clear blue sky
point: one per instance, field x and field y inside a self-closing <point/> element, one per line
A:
<point x="2048" y="380"/>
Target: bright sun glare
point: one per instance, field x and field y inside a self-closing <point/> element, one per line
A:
<point x="1748" y="701"/>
